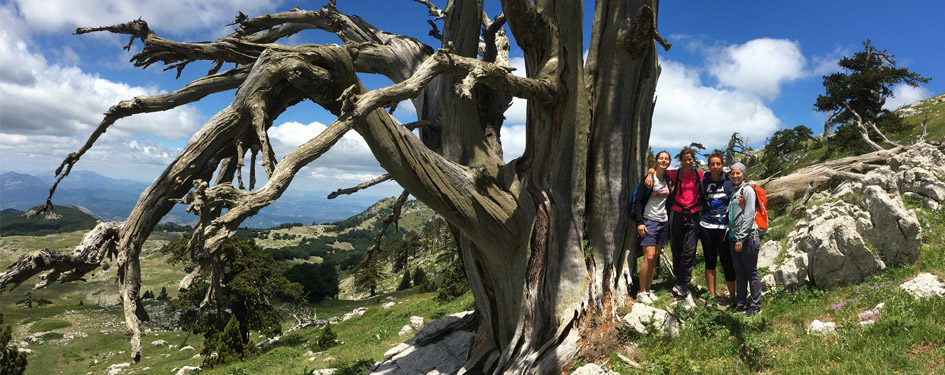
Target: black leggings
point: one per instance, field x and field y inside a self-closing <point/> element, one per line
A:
<point x="715" y="245"/>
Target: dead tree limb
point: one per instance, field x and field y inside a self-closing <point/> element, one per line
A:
<point x="359" y="187"/>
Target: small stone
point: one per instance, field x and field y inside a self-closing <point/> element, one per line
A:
<point x="159" y="342"/>
<point x="822" y="327"/>
<point x="405" y="330"/>
<point x="188" y="347"/>
<point x="416" y="322"/>
<point x="187" y="369"/>
<point x="924" y="285"/>
<point x="117" y="368"/>
<point x="388" y="305"/>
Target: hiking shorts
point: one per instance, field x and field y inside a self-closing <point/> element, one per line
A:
<point x="657" y="233"/>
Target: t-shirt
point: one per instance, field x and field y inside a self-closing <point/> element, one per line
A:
<point x="715" y="202"/>
<point x="687" y="193"/>
<point x="655" y="208"/>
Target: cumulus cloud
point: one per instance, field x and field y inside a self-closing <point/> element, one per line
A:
<point x="59" y="15"/>
<point x="685" y="106"/>
<point x="351" y="153"/>
<point x="516" y="113"/>
<point x="904" y="94"/>
<point x="759" y="66"/>
<point x="49" y="99"/>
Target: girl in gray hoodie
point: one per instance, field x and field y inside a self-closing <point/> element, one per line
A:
<point x="744" y="243"/>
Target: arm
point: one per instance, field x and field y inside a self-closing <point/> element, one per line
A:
<point x="648" y="181"/>
<point x="746" y="218"/>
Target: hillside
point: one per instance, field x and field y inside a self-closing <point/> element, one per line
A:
<point x="62" y="219"/>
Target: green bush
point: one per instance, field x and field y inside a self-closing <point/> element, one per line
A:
<point x="454" y="282"/>
<point x="326" y="339"/>
<point x="12" y="362"/>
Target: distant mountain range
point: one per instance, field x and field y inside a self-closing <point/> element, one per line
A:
<point x="113" y="199"/>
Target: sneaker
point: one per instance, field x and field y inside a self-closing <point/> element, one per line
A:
<point x="646" y="297"/>
<point x="752" y="311"/>
<point x="680" y="291"/>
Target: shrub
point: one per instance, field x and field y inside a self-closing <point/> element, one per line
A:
<point x="11" y="360"/>
<point x="148" y="294"/>
<point x="405" y="281"/>
<point x="454" y="282"/>
<point x="326" y="339"/>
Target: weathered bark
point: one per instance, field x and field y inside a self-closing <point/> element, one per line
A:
<point x="520" y="227"/>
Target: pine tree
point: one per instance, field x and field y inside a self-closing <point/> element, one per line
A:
<point x="12" y="362"/>
<point x="326" y="339"/>
<point x="230" y="345"/>
<point x="163" y="295"/>
<point x="405" y="281"/>
<point x="420" y="280"/>
<point x="454" y="282"/>
<point x="863" y="86"/>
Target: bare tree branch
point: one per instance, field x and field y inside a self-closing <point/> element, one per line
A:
<point x="361" y="186"/>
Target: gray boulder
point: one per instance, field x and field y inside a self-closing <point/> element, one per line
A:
<point x="896" y="231"/>
<point x="792" y="273"/>
<point x="441" y="346"/>
<point x="822" y="327"/>
<point x="592" y="369"/>
<point x="836" y="253"/>
<point x="766" y="254"/>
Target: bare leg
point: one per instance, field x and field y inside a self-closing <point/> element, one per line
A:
<point x="710" y="281"/>
<point x="731" y="288"/>
<point x="648" y="267"/>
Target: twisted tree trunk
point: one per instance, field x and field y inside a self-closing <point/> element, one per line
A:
<point x="521" y="226"/>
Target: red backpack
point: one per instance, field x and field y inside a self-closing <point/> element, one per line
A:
<point x="761" y="207"/>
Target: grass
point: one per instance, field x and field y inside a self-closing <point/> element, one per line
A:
<point x="908" y="336"/>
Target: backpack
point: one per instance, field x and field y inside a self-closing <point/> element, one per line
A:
<point x="761" y="208"/>
<point x="633" y="198"/>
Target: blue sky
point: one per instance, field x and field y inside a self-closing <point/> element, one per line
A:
<point x="747" y="66"/>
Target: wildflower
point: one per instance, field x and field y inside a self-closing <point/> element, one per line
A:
<point x="838" y="306"/>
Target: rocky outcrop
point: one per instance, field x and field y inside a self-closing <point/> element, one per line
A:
<point x="441" y="346"/>
<point x="592" y="369"/>
<point x="864" y="225"/>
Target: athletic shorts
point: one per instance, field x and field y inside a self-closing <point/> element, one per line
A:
<point x="657" y="233"/>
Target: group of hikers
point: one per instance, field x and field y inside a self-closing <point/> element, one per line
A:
<point x="683" y="206"/>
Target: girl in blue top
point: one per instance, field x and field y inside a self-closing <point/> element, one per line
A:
<point x="716" y="191"/>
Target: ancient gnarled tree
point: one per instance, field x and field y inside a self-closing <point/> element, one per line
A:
<point x="520" y="226"/>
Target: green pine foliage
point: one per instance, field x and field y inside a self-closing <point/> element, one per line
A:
<point x="66" y="219"/>
<point x="230" y="346"/>
<point x="368" y="276"/>
<point x="12" y="362"/>
<point x="863" y="86"/>
<point x="405" y="281"/>
<point x="163" y="295"/>
<point x="249" y="279"/>
<point x="454" y="283"/>
<point x="326" y="339"/>
<point x="318" y="280"/>
<point x="420" y="281"/>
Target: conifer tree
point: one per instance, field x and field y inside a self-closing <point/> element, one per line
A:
<point x="405" y="281"/>
<point x="11" y="360"/>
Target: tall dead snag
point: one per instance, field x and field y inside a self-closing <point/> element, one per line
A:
<point x="520" y="226"/>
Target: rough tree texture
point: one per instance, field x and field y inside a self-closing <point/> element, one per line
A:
<point x="520" y="226"/>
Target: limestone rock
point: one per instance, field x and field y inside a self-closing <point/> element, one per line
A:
<point x="327" y="371"/>
<point x="388" y="305"/>
<point x="766" y="254"/>
<point x="118" y="368"/>
<point x="159" y="342"/>
<point x="896" y="231"/>
<point x="643" y="318"/>
<point x="592" y="369"/>
<point x="882" y="177"/>
<point x="188" y="347"/>
<point x="924" y="285"/>
<point x="845" y="188"/>
<point x="406" y="329"/>
<point x="416" y="322"/>
<point x="441" y="346"/>
<point x="792" y="273"/>
<point x="356" y="312"/>
<point x="822" y="327"/>
<point x="836" y="253"/>
<point x="187" y="369"/>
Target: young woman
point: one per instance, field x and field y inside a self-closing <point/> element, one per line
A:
<point x="684" y="219"/>
<point x="716" y="191"/>
<point x="744" y="243"/>
<point x="652" y="217"/>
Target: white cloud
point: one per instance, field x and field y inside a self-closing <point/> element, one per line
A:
<point x="513" y="141"/>
<point x="59" y="15"/>
<point x="828" y="63"/>
<point x="351" y="153"/>
<point x="49" y="99"/>
<point x="759" y="66"/>
<point x="707" y="115"/>
<point x="904" y="94"/>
